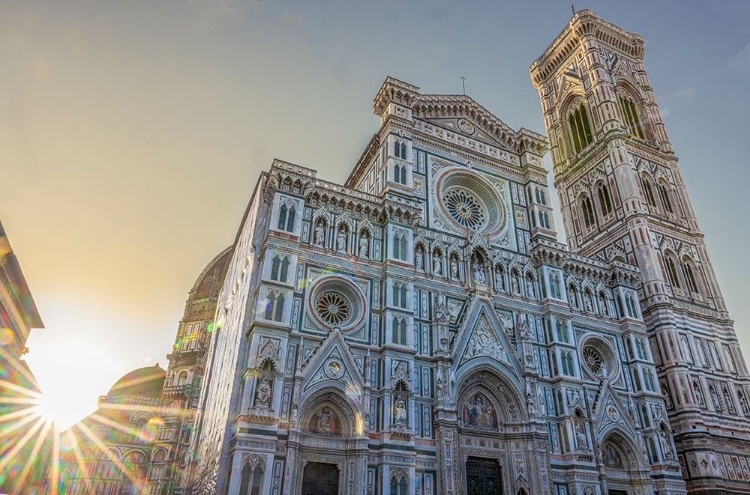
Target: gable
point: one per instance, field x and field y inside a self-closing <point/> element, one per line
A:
<point x="333" y="365"/>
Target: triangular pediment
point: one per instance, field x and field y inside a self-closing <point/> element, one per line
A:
<point x="464" y="116"/>
<point x="610" y="411"/>
<point x="333" y="364"/>
<point x="484" y="336"/>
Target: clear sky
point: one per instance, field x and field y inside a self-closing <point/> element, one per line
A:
<point x="132" y="133"/>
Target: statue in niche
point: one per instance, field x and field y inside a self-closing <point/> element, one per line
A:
<point x="479" y="413"/>
<point x="454" y="268"/>
<point x="419" y="259"/>
<point x="728" y="400"/>
<point x="580" y="433"/>
<point x="588" y="302"/>
<point x="530" y="405"/>
<point x="341" y="241"/>
<point x="399" y="410"/>
<point x="263" y="394"/>
<point x="499" y="282"/>
<point x="439" y="389"/>
<point x="514" y="283"/>
<point x="479" y="276"/>
<point x="363" y="246"/>
<point x="666" y="445"/>
<point x="743" y="403"/>
<point x="603" y="304"/>
<point x="699" y="395"/>
<point x="523" y="328"/>
<point x="437" y="264"/>
<point x="530" y="288"/>
<point x="320" y="236"/>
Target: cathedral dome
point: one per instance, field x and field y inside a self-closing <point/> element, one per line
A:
<point x="209" y="281"/>
<point x="144" y="382"/>
<point x="201" y="302"/>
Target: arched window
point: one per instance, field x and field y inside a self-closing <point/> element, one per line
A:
<point x="399" y="295"/>
<point x="182" y="378"/>
<point x="580" y="129"/>
<point x="399" y="485"/>
<point x="284" y="269"/>
<point x="605" y="202"/>
<point x="648" y="190"/>
<point x="399" y="174"/>
<point x="400" y="150"/>
<point x="630" y="305"/>
<point x="286" y="218"/>
<point x="630" y="114"/>
<point x="399" y="247"/>
<point x="282" y="217"/>
<point x="664" y="196"/>
<point x="274" y="307"/>
<point x="399" y="330"/>
<point x="279" y="268"/>
<point x="544" y="219"/>
<point x="687" y="268"/>
<point x="251" y="481"/>
<point x="279" y="310"/>
<point x="541" y="197"/>
<point x="672" y="277"/>
<point x="589" y="218"/>
<point x="270" y="301"/>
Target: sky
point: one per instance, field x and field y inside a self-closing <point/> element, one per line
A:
<point x="132" y="134"/>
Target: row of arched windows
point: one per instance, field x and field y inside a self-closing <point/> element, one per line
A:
<point x="681" y="275"/>
<point x="579" y="125"/>
<point x="662" y="192"/>
<point x="279" y="268"/>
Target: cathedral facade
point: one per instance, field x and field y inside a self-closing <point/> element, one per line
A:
<point x="419" y="330"/>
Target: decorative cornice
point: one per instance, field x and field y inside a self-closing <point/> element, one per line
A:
<point x="584" y="24"/>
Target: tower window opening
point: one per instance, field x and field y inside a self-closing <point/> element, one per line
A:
<point x="580" y="129"/>
<point x="630" y="115"/>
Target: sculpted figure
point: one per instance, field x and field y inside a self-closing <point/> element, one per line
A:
<point x="454" y="268"/>
<point x="437" y="265"/>
<point x="341" y="241"/>
<point x="319" y="236"/>
<point x="363" y="247"/>
<point x="399" y="411"/>
<point x="263" y="394"/>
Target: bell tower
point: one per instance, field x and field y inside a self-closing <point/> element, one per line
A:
<point x="623" y="199"/>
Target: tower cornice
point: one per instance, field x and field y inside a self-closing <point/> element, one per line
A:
<point x="583" y="24"/>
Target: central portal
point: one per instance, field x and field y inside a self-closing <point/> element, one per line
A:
<point x="321" y="479"/>
<point x="483" y="477"/>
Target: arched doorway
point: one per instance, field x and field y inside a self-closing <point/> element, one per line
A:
<point x="497" y="446"/>
<point x="328" y="449"/>
<point x="621" y="465"/>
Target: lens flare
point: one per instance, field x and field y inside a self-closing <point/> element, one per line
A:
<point x="6" y="336"/>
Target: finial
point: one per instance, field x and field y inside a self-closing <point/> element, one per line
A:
<point x="572" y="7"/>
<point x="463" y="84"/>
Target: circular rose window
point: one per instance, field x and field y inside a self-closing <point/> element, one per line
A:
<point x="465" y="208"/>
<point x="333" y="308"/>
<point x="468" y="201"/>
<point x="599" y="358"/>
<point x="336" y="302"/>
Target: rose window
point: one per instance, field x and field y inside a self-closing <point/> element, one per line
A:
<point x="466" y="200"/>
<point x="465" y="208"/>
<point x="593" y="359"/>
<point x="333" y="308"/>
